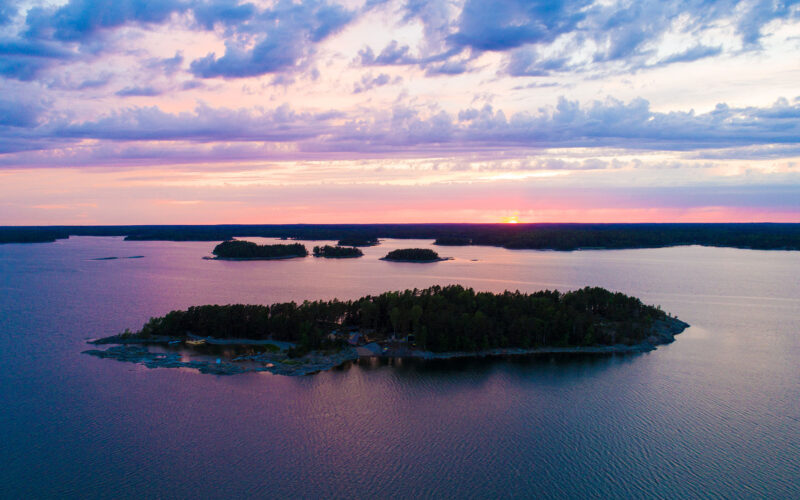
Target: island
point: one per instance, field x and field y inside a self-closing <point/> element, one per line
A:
<point x="337" y="252"/>
<point x="436" y="322"/>
<point x="247" y="250"/>
<point x="414" y="255"/>
<point x="355" y="241"/>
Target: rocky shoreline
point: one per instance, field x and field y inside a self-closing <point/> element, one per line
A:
<point x="272" y="362"/>
<point x="440" y="259"/>
<point x="282" y="257"/>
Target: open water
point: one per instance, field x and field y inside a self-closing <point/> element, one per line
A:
<point x="715" y="414"/>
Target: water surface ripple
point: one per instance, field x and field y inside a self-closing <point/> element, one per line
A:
<point x="714" y="414"/>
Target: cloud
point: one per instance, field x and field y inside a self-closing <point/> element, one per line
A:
<point x="204" y="124"/>
<point x="257" y="41"/>
<point x="507" y="24"/>
<point x="274" y="40"/>
<point x="693" y="54"/>
<point x="16" y="113"/>
<point x="542" y="37"/>
<point x="421" y="131"/>
<point x="24" y="59"/>
<point x="168" y="65"/>
<point x="146" y="91"/>
<point x="80" y="19"/>
<point x="368" y="82"/>
<point x="392" y="54"/>
<point x="224" y="12"/>
<point x="7" y="11"/>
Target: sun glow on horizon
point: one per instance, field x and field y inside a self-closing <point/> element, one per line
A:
<point x="513" y="219"/>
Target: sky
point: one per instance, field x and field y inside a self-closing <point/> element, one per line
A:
<point x="316" y="111"/>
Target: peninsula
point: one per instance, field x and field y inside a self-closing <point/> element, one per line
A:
<point x="247" y="250"/>
<point x="414" y="255"/>
<point x="436" y="322"/>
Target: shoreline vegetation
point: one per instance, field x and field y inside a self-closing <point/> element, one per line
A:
<point x="247" y="250"/>
<point x="540" y="236"/>
<point x="432" y="323"/>
<point x="337" y="252"/>
<point x="354" y="241"/>
<point x="421" y="255"/>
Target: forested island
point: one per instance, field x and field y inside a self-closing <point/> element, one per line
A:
<point x="356" y="241"/>
<point x="433" y="322"/>
<point x="337" y="252"/>
<point x="762" y="236"/>
<point x="413" y="255"/>
<point x="247" y="250"/>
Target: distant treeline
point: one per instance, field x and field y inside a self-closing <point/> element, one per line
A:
<point x="413" y="254"/>
<point x="237" y="249"/>
<point x="763" y="236"/>
<point x="31" y="235"/>
<point x="453" y="241"/>
<point x="450" y="318"/>
<point x="337" y="252"/>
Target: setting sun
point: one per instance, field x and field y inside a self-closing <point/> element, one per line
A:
<point x="510" y="220"/>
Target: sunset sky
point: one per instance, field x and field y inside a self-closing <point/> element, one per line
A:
<point x="182" y="111"/>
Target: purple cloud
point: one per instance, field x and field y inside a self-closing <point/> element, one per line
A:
<point x="274" y="40"/>
<point x="726" y="131"/>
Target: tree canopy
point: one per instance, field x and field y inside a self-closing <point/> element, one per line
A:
<point x="237" y="249"/>
<point x="450" y="318"/>
<point x="413" y="254"/>
<point x="337" y="252"/>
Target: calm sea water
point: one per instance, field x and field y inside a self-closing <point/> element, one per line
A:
<point x="715" y="414"/>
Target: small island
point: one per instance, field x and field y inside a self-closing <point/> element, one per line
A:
<point x="436" y="322"/>
<point x="337" y="252"/>
<point x="354" y="241"/>
<point x="247" y="250"/>
<point x="453" y="241"/>
<point x="414" y="255"/>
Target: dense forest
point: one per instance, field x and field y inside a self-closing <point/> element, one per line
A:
<point x="31" y="235"/>
<point x="413" y="255"/>
<point x="356" y="241"/>
<point x="451" y="318"/>
<point x="337" y="252"/>
<point x="764" y="236"/>
<point x="453" y="241"/>
<point x="237" y="249"/>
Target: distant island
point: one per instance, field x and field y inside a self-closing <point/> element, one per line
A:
<point x="337" y="252"/>
<point x="539" y="236"/>
<point x="436" y="322"/>
<point x="247" y="250"/>
<point x="414" y="255"/>
<point x="366" y="241"/>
